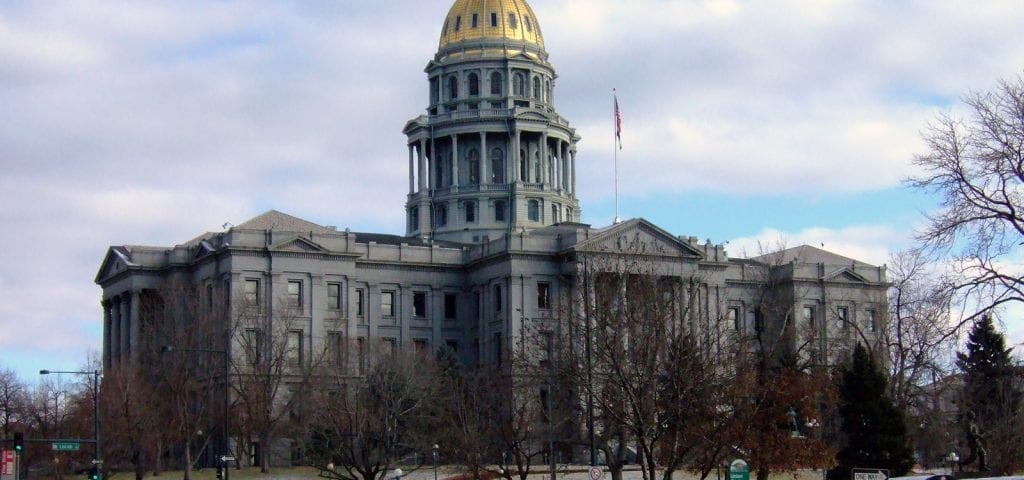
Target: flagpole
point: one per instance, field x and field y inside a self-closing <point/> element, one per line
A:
<point x="616" y="141"/>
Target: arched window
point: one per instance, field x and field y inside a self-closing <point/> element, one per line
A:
<point x="519" y="85"/>
<point x="453" y="87"/>
<point x="554" y="214"/>
<point x="474" y="85"/>
<point x="495" y="83"/>
<point x="568" y="214"/>
<point x="533" y="210"/>
<point x="497" y="166"/>
<point x="473" y="158"/>
<point x="536" y="88"/>
<point x="440" y="216"/>
<point x="522" y="165"/>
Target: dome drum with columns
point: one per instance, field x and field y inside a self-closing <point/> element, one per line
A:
<point x="491" y="155"/>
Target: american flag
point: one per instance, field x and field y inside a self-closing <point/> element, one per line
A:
<point x="618" y="122"/>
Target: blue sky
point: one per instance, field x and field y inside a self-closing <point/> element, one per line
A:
<point x="151" y="122"/>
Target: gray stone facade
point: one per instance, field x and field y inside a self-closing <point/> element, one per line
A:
<point x="492" y="237"/>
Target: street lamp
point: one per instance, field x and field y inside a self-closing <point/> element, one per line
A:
<point x="434" y="452"/>
<point x="226" y="352"/>
<point x="95" y="409"/>
<point x="953" y="459"/>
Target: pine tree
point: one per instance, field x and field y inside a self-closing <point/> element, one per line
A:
<point x="875" y="431"/>
<point x="989" y="392"/>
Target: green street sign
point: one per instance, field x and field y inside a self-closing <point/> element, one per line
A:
<point x="739" y="470"/>
<point x="66" y="446"/>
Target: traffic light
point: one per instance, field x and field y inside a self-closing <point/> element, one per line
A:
<point x="94" y="474"/>
<point x="19" y="441"/>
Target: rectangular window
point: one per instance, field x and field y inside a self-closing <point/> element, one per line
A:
<point x="733" y="317"/>
<point x="458" y="23"/>
<point x="809" y="316"/>
<point x="872" y="322"/>
<point x="294" y="348"/>
<point x="545" y="403"/>
<point x="252" y="292"/>
<point x="361" y="351"/>
<point x="450" y="306"/>
<point x="758" y="320"/>
<point x="388" y="346"/>
<point x="512" y="23"/>
<point x="543" y="295"/>
<point x="842" y="317"/>
<point x="533" y="210"/>
<point x="498" y="346"/>
<point x="295" y="294"/>
<point x="387" y="304"/>
<point x="359" y="302"/>
<point x="419" y="304"/>
<point x="497" y="298"/>
<point x="470" y="212"/>
<point x="421" y="346"/>
<point x="499" y="210"/>
<point x="335" y="349"/>
<point x="253" y="345"/>
<point x="334" y="296"/>
<point x="474" y="20"/>
<point x="547" y="346"/>
<point x="494" y="19"/>
<point x="209" y="297"/>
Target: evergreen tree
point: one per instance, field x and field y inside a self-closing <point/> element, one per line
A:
<point x="875" y="431"/>
<point x="989" y="392"/>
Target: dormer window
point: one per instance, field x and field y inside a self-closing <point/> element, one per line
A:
<point x="529" y="27"/>
<point x="494" y="19"/>
<point x="474" y="20"/>
<point x="458" y="23"/>
<point x="512" y="23"/>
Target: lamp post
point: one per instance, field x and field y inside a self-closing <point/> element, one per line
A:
<point x="434" y="452"/>
<point x="226" y="352"/>
<point x="952" y="458"/>
<point x="95" y="409"/>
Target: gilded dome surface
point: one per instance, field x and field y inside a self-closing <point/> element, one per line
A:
<point x="511" y="21"/>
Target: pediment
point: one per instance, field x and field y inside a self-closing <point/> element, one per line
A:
<point x="299" y="245"/>
<point x="846" y="275"/>
<point x="533" y="115"/>
<point x="638" y="237"/>
<point x="203" y="249"/>
<point x="116" y="261"/>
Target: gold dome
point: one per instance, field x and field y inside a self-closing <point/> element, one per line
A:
<point x="511" y="21"/>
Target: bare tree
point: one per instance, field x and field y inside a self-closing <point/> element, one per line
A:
<point x="12" y="400"/>
<point x="272" y="381"/>
<point x="367" y="424"/>
<point x="977" y="166"/>
<point x="132" y="414"/>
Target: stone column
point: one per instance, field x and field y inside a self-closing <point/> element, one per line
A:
<point x="432" y="166"/>
<point x="515" y="140"/>
<point x="545" y="163"/>
<point x="485" y="160"/>
<point x="107" y="321"/>
<point x="455" y="160"/>
<point x="125" y="327"/>
<point x="115" y="330"/>
<point x="422" y="184"/>
<point x="572" y="156"/>
<point x="412" y="172"/>
<point x="134" y="326"/>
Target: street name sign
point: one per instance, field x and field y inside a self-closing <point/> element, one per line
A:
<point x="66" y="446"/>
<point x="870" y="474"/>
<point x="739" y="470"/>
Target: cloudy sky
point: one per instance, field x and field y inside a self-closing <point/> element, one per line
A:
<point x="151" y="122"/>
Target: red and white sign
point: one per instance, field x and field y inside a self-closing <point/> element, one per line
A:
<point x="7" y="464"/>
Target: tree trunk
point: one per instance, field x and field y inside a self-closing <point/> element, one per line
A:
<point x="763" y="473"/>
<point x="265" y="449"/>
<point x="188" y="460"/>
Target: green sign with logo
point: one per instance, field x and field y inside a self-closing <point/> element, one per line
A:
<point x="739" y="470"/>
<point x="66" y="446"/>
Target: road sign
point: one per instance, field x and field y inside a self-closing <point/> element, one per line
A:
<point x="870" y="474"/>
<point x="739" y="470"/>
<point x="66" y="446"/>
<point x="596" y="473"/>
<point x="7" y="463"/>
